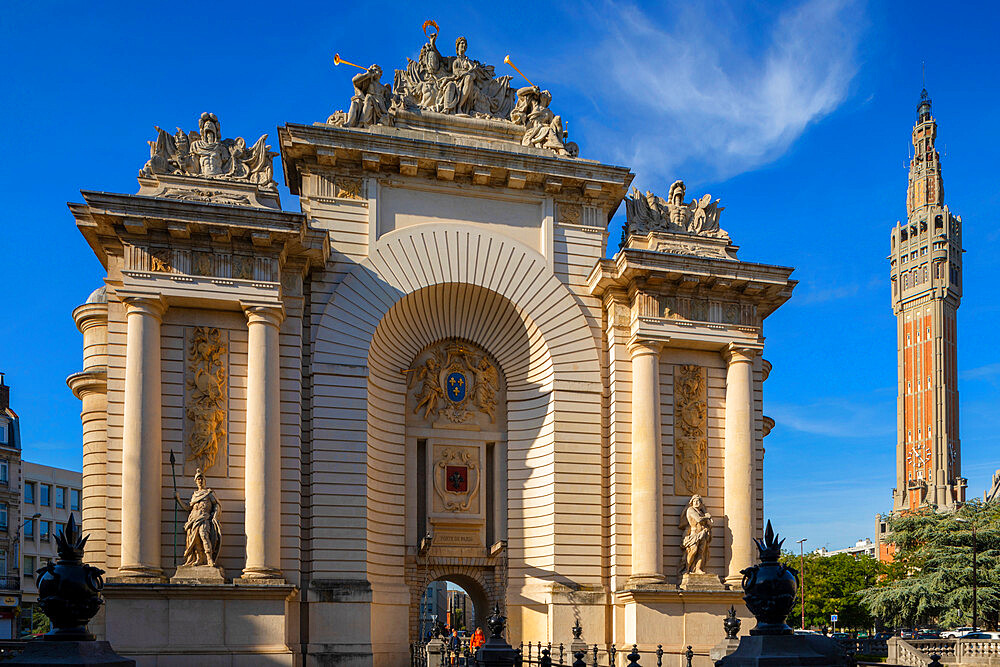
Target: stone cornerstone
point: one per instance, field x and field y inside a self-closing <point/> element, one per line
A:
<point x="431" y="372"/>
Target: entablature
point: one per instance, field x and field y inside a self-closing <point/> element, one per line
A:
<point x="174" y="234"/>
<point x="450" y="158"/>
<point x="696" y="289"/>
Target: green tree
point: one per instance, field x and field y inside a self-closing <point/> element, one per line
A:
<point x="833" y="585"/>
<point x="931" y="581"/>
<point x="40" y="623"/>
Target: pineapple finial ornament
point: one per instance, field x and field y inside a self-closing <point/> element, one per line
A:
<point x="69" y="590"/>
<point x="769" y="588"/>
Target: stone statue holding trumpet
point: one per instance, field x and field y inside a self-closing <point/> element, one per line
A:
<point x="454" y="85"/>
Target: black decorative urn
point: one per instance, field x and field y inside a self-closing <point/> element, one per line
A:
<point x="69" y="590"/>
<point x="769" y="587"/>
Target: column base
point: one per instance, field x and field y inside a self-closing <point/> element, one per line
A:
<point x="261" y="576"/>
<point x="137" y="575"/>
<point x="735" y="582"/>
<point x="645" y="580"/>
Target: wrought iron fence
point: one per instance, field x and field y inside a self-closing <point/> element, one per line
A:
<point x="538" y="654"/>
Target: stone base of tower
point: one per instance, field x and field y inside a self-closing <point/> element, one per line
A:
<point x="665" y="615"/>
<point x="171" y="624"/>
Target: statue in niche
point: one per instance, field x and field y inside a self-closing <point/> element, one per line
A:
<point x="207" y="155"/>
<point x="698" y="523"/>
<point x="649" y="213"/>
<point x="202" y="529"/>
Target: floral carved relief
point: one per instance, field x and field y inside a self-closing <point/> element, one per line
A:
<point x="690" y="430"/>
<point x="205" y="407"/>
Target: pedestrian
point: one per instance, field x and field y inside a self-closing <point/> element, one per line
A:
<point x="478" y="639"/>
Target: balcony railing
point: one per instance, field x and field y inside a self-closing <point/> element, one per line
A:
<point x="10" y="583"/>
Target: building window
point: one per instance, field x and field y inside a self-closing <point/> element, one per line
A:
<point x="29" y="493"/>
<point x="3" y="563"/>
<point x="60" y="498"/>
<point x="3" y="516"/>
<point x="74" y="499"/>
<point x="29" y="566"/>
<point x="29" y="529"/>
<point x="3" y="432"/>
<point x="45" y="490"/>
<point x="44" y="528"/>
<point x="4" y="473"/>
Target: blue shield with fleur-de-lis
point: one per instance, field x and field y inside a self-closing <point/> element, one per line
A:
<point x="455" y="387"/>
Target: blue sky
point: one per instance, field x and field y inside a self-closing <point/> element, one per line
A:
<point x="796" y="114"/>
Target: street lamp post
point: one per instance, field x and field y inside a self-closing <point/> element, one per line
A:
<point x="975" y="574"/>
<point x="17" y="540"/>
<point x="802" y="579"/>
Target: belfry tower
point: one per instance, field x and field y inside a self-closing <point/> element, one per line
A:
<point x="926" y="272"/>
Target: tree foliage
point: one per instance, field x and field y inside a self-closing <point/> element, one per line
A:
<point x="931" y="581"/>
<point x="833" y="585"/>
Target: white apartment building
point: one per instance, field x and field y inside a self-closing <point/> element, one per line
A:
<point x="863" y="547"/>
<point x="49" y="495"/>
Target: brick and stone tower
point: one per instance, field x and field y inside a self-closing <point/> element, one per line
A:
<point x="926" y="273"/>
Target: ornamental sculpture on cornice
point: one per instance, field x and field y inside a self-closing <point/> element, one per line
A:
<point x="454" y="85"/>
<point x="649" y="213"/>
<point x="205" y="154"/>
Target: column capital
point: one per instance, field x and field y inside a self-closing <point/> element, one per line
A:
<point x="736" y="353"/>
<point x="257" y="314"/>
<point x="144" y="305"/>
<point x="640" y="346"/>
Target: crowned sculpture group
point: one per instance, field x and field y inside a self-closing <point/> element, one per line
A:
<point x="455" y="85"/>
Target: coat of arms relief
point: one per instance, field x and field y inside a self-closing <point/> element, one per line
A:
<point x="456" y="383"/>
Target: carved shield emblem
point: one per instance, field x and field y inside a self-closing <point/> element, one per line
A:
<point x="456" y="387"/>
<point x="457" y="479"/>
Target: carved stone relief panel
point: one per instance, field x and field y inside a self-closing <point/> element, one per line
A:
<point x="454" y="383"/>
<point x="690" y="430"/>
<point x="456" y="479"/>
<point x="206" y="405"/>
<point x="702" y="310"/>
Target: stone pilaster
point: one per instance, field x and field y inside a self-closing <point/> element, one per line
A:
<point x="141" y="441"/>
<point x="647" y="465"/>
<point x="263" y="445"/>
<point x="739" y="477"/>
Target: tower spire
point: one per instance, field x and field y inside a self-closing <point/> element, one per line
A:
<point x="926" y="273"/>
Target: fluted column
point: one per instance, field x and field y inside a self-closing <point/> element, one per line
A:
<point x="739" y="477"/>
<point x="647" y="468"/>
<point x="263" y="445"/>
<point x="141" y="441"/>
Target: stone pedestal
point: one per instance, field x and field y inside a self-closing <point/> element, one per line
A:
<point x="701" y="582"/>
<point x="787" y="651"/>
<point x="435" y="652"/>
<point x="43" y="653"/>
<point x="726" y="647"/>
<point x="198" y="574"/>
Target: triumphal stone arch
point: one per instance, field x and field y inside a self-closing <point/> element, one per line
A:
<point x="432" y="371"/>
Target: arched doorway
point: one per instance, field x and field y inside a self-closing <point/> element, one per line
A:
<point x="456" y="498"/>
<point x="454" y="602"/>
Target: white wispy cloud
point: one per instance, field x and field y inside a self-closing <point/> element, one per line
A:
<point x="989" y="372"/>
<point x="707" y="84"/>
<point x="839" y="417"/>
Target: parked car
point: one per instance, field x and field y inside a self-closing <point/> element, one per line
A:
<point x="928" y="634"/>
<point x="906" y="633"/>
<point x="956" y="633"/>
<point x="882" y="636"/>
<point x="840" y="636"/>
<point x="799" y="631"/>
<point x="982" y="635"/>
